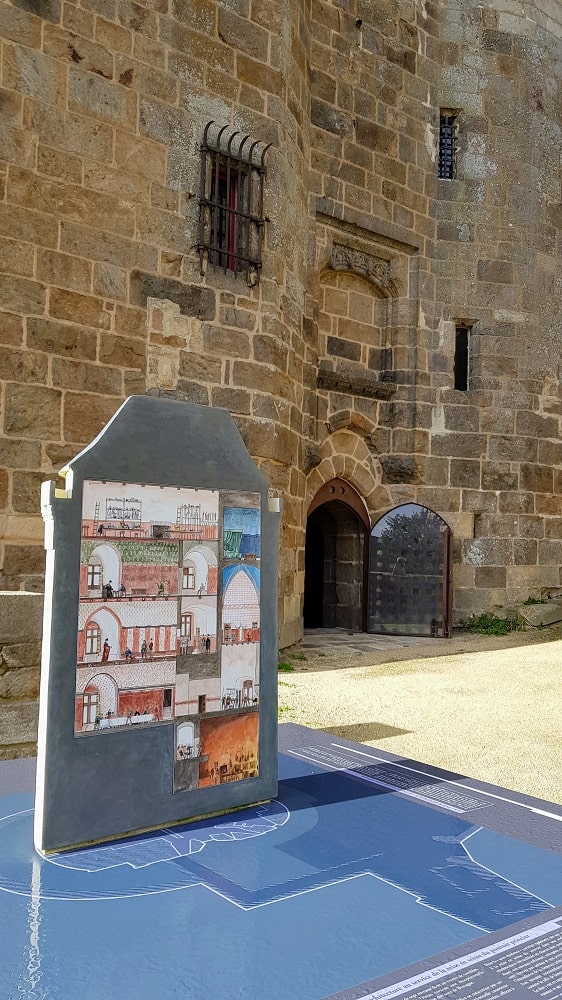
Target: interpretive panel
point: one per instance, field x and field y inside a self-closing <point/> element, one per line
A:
<point x="157" y="558"/>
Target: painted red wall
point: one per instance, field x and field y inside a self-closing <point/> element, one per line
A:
<point x="141" y="701"/>
<point x="78" y="714"/>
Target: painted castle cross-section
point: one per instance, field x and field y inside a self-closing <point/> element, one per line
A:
<point x="158" y="696"/>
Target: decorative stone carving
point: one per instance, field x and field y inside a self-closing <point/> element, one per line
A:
<point x="346" y="258"/>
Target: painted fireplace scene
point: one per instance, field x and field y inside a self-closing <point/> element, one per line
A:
<point x="217" y="696"/>
<point x="148" y="597"/>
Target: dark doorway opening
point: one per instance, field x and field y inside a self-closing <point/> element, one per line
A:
<point x="335" y="560"/>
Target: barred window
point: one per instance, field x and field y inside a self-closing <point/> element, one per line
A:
<point x="448" y="133"/>
<point x="231" y="219"/>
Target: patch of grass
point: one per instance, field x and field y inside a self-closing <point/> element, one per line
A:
<point x="297" y="656"/>
<point x="281" y="710"/>
<point x="284" y="684"/>
<point x="490" y="624"/>
<point x="285" y="667"/>
<point x="535" y="600"/>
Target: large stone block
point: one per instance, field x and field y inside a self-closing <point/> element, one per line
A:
<point x="488" y="552"/>
<point x="83" y="309"/>
<point x="537" y="478"/>
<point x="18" y="724"/>
<point x="79" y="375"/>
<point x="166" y="125"/>
<point x="21" y="684"/>
<point x="24" y="560"/>
<point x="107" y="247"/>
<point x="22" y="295"/>
<point x="35" y="74"/>
<point x="85" y="415"/>
<point x="193" y="300"/>
<point x="20" y="26"/>
<point x="123" y="352"/>
<point x="76" y="133"/>
<point x="32" y="411"/>
<point x="243" y="35"/>
<point x="70" y="44"/>
<point x="64" y="270"/>
<point x="459" y="445"/>
<point x="63" y="339"/>
<point x="23" y="366"/>
<point x="26" y="488"/>
<point x="21" y="622"/>
<point x="541" y="614"/>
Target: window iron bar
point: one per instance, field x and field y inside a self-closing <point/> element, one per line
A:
<point x="231" y="222"/>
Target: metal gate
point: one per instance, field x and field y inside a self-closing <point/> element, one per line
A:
<point x="409" y="561"/>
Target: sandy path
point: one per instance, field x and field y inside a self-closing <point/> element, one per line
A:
<point x="488" y="708"/>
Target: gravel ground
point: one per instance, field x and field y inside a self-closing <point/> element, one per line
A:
<point x="485" y="707"/>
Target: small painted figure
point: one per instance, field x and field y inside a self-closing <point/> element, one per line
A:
<point x="122" y="590"/>
<point x="128" y="653"/>
<point x="109" y="590"/>
<point x="100" y="529"/>
<point x="151" y="647"/>
<point x="143" y="650"/>
<point x="208" y="644"/>
<point x="105" y="652"/>
<point x="160" y="589"/>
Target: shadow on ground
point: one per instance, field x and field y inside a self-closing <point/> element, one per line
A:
<point x="364" y="732"/>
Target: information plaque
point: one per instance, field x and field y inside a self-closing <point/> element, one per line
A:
<point x="158" y="684"/>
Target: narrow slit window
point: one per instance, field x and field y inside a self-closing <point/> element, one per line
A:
<point x="231" y="214"/>
<point x="462" y="357"/>
<point x="448" y="133"/>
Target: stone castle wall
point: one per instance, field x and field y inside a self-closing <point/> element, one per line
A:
<point x="21" y="620"/>
<point x="340" y="361"/>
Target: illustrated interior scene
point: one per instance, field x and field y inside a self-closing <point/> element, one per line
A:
<point x="169" y="622"/>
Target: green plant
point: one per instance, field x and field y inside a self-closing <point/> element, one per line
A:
<point x="297" y="656"/>
<point x="490" y="624"/>
<point x="535" y="600"/>
<point x="286" y="667"/>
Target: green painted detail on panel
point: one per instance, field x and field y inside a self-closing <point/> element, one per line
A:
<point x="231" y="543"/>
<point x="138" y="553"/>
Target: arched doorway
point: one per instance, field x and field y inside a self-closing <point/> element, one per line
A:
<point x="409" y="573"/>
<point x="336" y="549"/>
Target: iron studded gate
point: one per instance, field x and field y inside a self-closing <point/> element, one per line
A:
<point x="409" y="568"/>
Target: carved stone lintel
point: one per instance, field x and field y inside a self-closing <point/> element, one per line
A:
<point x="354" y="385"/>
<point x="345" y="258"/>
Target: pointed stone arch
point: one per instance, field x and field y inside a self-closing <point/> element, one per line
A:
<point x="345" y="455"/>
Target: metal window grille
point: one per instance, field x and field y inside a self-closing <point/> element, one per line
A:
<point x="231" y="219"/>
<point x="448" y="131"/>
